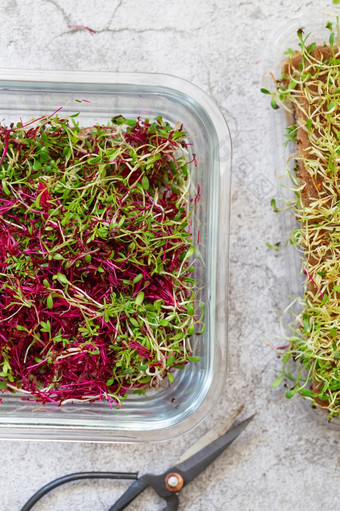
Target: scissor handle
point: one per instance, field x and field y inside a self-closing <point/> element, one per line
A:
<point x="131" y="493"/>
<point x="172" y="503"/>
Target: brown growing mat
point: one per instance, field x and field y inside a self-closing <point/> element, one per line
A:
<point x="309" y="89"/>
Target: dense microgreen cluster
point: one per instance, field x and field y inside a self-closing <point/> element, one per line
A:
<point x="96" y="288"/>
<point x="311" y="90"/>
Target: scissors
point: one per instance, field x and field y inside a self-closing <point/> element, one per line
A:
<point x="168" y="484"/>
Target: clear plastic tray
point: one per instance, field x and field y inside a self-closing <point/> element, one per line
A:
<point x="169" y="411"/>
<point x="283" y="38"/>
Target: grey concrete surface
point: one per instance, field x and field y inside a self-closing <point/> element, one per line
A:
<point x="286" y="460"/>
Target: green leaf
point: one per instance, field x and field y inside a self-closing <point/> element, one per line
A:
<point x="307" y="393"/>
<point x="106" y="316"/>
<point x="45" y="326"/>
<point x="274" y="104"/>
<point x="274" y="247"/>
<point x="331" y="106"/>
<point x="121" y="220"/>
<point x="145" y="183"/>
<point x="190" y="309"/>
<point x="137" y="278"/>
<point x="46" y="283"/>
<point x="331" y="38"/>
<point x="292" y="84"/>
<point x="273" y="205"/>
<point x="37" y="165"/>
<point x="95" y="159"/>
<point x="131" y="122"/>
<point x="286" y="357"/>
<point x="311" y="47"/>
<point x="191" y="329"/>
<point x="5" y="187"/>
<point x="336" y="288"/>
<point x="333" y="332"/>
<point x="49" y="302"/>
<point x="134" y="322"/>
<point x="325" y="299"/>
<point x="139" y="298"/>
<point x="170" y="377"/>
<point x="118" y="120"/>
<point x="204" y="326"/>
<point x="178" y="336"/>
<point x="164" y="322"/>
<point x="87" y="258"/>
<point x="170" y="361"/>
<point x="265" y="91"/>
<point x="290" y="394"/>
<point x="145" y="380"/>
<point x="190" y="252"/>
<point x="289" y="52"/>
<point x="278" y="381"/>
<point x="21" y="328"/>
<point x="109" y="382"/>
<point x="143" y="367"/>
<point x="193" y="358"/>
<point x="62" y="278"/>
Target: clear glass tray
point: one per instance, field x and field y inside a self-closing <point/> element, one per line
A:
<point x="169" y="411"/>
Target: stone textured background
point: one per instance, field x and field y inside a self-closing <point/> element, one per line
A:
<point x="286" y="459"/>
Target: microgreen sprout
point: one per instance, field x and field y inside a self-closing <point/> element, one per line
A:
<point x="96" y="289"/>
<point x="309" y="88"/>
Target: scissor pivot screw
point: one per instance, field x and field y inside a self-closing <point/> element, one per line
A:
<point x="174" y="482"/>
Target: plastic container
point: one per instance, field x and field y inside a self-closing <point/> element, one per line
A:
<point x="169" y="411"/>
<point x="283" y="38"/>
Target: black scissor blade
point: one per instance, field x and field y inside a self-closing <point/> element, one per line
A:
<point x="194" y="465"/>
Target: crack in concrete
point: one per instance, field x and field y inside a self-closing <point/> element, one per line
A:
<point x="119" y="4"/>
<point x="107" y="29"/>
<point x="209" y="85"/>
<point x="123" y="29"/>
<point x="60" y="9"/>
